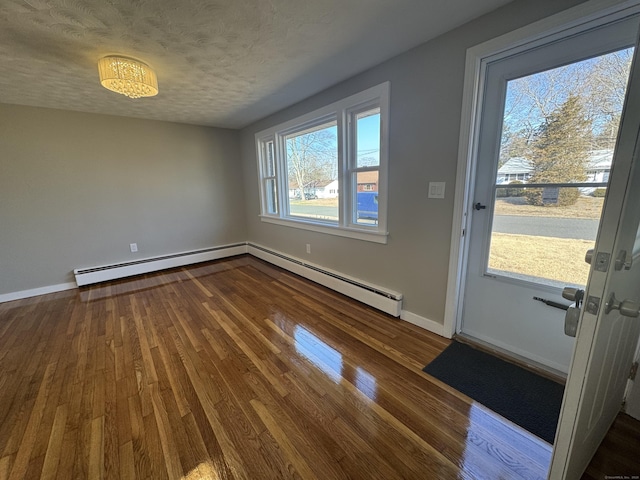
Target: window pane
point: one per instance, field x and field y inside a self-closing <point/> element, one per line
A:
<point x="269" y="160"/>
<point x="367" y="198"/>
<point x="368" y="138"/>
<point x="312" y="166"/>
<point x="560" y="125"/>
<point x="544" y="243"/>
<point x="272" y="195"/>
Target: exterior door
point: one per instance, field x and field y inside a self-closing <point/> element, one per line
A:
<point x="548" y="126"/>
<point x="609" y="326"/>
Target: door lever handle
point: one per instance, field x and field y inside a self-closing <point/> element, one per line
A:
<point x="479" y="206"/>
<point x="626" y="307"/>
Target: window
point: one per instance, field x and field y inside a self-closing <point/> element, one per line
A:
<point x="269" y="187"/>
<point x="326" y="171"/>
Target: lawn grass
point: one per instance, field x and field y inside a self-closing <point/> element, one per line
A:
<point x="323" y="202"/>
<point x="560" y="259"/>
<point x="585" y="207"/>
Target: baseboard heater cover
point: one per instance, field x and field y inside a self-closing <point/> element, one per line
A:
<point x="88" y="276"/>
<point x="377" y="297"/>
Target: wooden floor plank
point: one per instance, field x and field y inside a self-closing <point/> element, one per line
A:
<point x="236" y="369"/>
<point x="52" y="456"/>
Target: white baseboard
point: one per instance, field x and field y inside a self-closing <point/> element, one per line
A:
<point x="375" y="296"/>
<point x="87" y="276"/>
<point x="34" y="292"/>
<point x="423" y="322"/>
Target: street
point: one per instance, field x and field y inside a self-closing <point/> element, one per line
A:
<point x="578" y="228"/>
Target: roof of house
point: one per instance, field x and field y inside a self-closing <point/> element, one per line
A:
<point x="516" y="165"/>
<point x="598" y="160"/>
<point x="312" y="184"/>
<point x="368" y="177"/>
<point x="326" y="183"/>
<point x="601" y="159"/>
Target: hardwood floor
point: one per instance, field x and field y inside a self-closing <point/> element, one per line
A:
<point x="237" y="369"/>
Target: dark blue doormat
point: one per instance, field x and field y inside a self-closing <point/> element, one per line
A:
<point x="527" y="399"/>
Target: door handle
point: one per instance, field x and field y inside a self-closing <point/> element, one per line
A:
<point x="572" y="316"/>
<point x="571" y="321"/>
<point x="479" y="206"/>
<point x="573" y="294"/>
<point x="589" y="256"/>
<point x="627" y="308"/>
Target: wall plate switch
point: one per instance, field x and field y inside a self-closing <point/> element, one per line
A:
<point x="308" y="248"/>
<point x="436" y="189"/>
<point x="133" y="247"/>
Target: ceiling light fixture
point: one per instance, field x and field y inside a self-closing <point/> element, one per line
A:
<point x="127" y="76"/>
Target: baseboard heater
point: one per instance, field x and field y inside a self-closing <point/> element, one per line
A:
<point x="88" y="276"/>
<point x="377" y="297"/>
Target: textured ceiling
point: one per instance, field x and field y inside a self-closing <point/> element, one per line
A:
<point x="222" y="63"/>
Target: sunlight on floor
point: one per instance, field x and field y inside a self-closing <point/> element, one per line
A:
<point x="204" y="471"/>
<point x="511" y="449"/>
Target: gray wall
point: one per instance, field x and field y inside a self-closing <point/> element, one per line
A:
<point x="426" y="101"/>
<point x="76" y="189"/>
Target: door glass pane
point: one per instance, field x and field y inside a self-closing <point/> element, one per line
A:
<point x="546" y="243"/>
<point x="312" y="165"/>
<point x="559" y="126"/>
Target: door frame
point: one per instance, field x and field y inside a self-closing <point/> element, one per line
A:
<point x="579" y="18"/>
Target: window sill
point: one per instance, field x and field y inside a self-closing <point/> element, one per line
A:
<point x="356" y="233"/>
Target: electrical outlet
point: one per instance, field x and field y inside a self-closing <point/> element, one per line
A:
<point x="308" y="248"/>
<point x="133" y="247"/>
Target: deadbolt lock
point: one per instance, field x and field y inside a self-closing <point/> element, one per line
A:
<point x="602" y="260"/>
<point x="589" y="256"/>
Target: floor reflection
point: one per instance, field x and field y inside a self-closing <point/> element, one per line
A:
<point x="366" y="383"/>
<point x="496" y="448"/>
<point x="332" y="363"/>
<point x="204" y="471"/>
<point x="319" y="353"/>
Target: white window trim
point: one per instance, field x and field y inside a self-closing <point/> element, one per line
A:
<point x="377" y="96"/>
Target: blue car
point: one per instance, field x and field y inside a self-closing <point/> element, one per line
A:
<point x="367" y="206"/>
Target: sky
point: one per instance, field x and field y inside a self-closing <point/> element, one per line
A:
<point x="550" y="88"/>
<point x="368" y="140"/>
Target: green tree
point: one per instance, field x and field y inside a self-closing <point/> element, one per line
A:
<point x="559" y="150"/>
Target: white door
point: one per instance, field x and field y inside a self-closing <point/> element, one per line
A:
<point x="524" y="244"/>
<point x="609" y="325"/>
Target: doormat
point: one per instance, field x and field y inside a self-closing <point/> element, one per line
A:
<point x="527" y="399"/>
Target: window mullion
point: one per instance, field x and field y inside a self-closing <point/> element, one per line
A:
<point x="343" y="158"/>
<point x="282" y="175"/>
